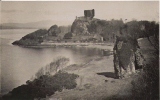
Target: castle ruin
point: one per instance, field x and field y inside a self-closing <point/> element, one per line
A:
<point x="89" y="13"/>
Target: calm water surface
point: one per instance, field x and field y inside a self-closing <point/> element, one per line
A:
<point x="19" y="64"/>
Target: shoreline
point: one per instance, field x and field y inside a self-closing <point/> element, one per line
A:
<point x="103" y="46"/>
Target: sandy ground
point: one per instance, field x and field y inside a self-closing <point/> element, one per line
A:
<point x="96" y="82"/>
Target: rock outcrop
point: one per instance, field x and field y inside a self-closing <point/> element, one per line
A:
<point x="54" y="30"/>
<point x="80" y="27"/>
<point x="84" y="26"/>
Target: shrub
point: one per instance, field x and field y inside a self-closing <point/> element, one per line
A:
<point x="43" y="86"/>
<point x="53" y="67"/>
<point x="68" y="35"/>
<point x="54" y="30"/>
<point x="146" y="86"/>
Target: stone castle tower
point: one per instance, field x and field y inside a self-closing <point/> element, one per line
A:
<point x="89" y="14"/>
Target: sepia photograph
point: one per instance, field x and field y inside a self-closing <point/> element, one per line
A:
<point x="79" y="50"/>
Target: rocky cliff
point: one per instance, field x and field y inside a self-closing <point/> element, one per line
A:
<point x="91" y="27"/>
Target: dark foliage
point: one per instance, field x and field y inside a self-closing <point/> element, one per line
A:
<point x="54" y="30"/>
<point x="146" y="87"/>
<point x="36" y="34"/>
<point x="33" y="38"/>
<point x="140" y="29"/>
<point x="109" y="28"/>
<point x="43" y="86"/>
<point x="68" y="35"/>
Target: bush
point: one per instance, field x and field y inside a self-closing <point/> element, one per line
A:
<point x="68" y="35"/>
<point x="52" y="68"/>
<point x="43" y="86"/>
<point x="146" y="86"/>
<point x="54" y="30"/>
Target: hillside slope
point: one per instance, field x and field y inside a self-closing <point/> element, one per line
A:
<point x="91" y="27"/>
<point x="96" y="82"/>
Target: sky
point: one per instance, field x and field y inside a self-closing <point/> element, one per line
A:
<point x="64" y="12"/>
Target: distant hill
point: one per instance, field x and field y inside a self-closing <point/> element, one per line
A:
<point x="32" y="25"/>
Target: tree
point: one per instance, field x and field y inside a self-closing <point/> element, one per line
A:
<point x="54" y="30"/>
<point x="68" y="35"/>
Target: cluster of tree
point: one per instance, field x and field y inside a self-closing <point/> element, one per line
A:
<point x="109" y="28"/>
<point x="105" y="28"/>
<point x="33" y="38"/>
<point x="65" y="29"/>
<point x="140" y="29"/>
<point x="137" y="29"/>
<point x="46" y="85"/>
<point x="54" y="30"/>
<point x="145" y="29"/>
<point x="37" y="37"/>
<point x="68" y="35"/>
